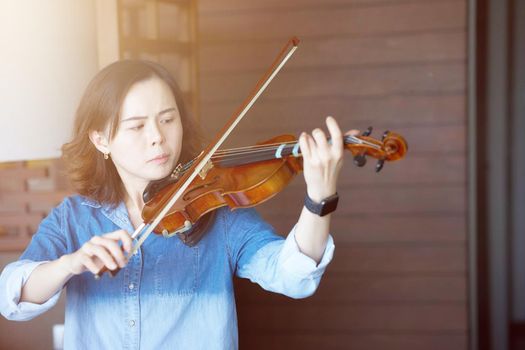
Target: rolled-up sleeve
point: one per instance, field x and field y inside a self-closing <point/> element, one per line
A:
<point x="294" y="261"/>
<point x="47" y="244"/>
<point x="275" y="263"/>
<point x="12" y="280"/>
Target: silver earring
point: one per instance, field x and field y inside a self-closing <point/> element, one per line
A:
<point x="106" y="155"/>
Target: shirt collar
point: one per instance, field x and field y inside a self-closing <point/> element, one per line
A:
<point x="118" y="215"/>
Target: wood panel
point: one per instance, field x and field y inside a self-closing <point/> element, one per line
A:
<point x="380" y="202"/>
<point x="390" y="258"/>
<point x="289" y="114"/>
<point x="364" y="288"/>
<point x="365" y="318"/>
<point x="356" y="340"/>
<point x="398" y="277"/>
<point x="213" y="7"/>
<point x="327" y="20"/>
<point x="431" y="78"/>
<point x="340" y="51"/>
<point x="399" y="228"/>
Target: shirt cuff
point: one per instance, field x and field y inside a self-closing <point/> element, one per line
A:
<point x="13" y="279"/>
<point x="301" y="264"/>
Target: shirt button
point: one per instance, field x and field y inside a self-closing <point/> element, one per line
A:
<point x="131" y="286"/>
<point x="132" y="323"/>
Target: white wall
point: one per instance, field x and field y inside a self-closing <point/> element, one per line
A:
<point x="48" y="54"/>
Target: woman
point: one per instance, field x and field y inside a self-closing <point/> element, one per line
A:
<point x="132" y="128"/>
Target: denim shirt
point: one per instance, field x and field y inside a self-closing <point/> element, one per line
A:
<point x="169" y="295"/>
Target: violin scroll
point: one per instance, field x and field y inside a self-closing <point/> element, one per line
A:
<point x="391" y="147"/>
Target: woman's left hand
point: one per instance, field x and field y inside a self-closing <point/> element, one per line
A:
<point x="322" y="161"/>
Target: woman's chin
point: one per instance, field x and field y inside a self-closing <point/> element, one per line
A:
<point x="160" y="174"/>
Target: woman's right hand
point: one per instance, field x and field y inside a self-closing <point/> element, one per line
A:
<point x="99" y="252"/>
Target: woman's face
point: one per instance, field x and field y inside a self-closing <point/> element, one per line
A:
<point x="148" y="141"/>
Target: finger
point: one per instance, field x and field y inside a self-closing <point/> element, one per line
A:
<point x="353" y="132"/>
<point x="322" y="148"/>
<point x="303" y="144"/>
<point x="320" y="138"/>
<point x="335" y="133"/>
<point x="114" y="249"/>
<point x="312" y="147"/>
<point x="123" y="236"/>
<point x="90" y="264"/>
<point x="100" y="252"/>
<point x="98" y="263"/>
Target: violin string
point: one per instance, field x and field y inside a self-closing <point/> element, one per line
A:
<point x="250" y="155"/>
<point x="256" y="147"/>
<point x="239" y="156"/>
<point x="269" y="145"/>
<point x="245" y="152"/>
<point x="346" y="139"/>
<point x="258" y="151"/>
<point x="241" y="153"/>
<point x="274" y="146"/>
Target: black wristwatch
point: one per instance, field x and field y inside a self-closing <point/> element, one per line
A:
<point x="326" y="206"/>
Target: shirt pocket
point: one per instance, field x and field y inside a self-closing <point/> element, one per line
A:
<point x="176" y="272"/>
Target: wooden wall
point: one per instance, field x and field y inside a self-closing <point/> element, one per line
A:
<point x="398" y="279"/>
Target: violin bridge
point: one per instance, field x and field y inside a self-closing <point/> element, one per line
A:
<point x="204" y="171"/>
<point x="175" y="174"/>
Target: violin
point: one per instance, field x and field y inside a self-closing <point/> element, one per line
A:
<point x="241" y="177"/>
<point x="247" y="176"/>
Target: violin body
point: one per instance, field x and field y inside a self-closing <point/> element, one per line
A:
<point x="236" y="187"/>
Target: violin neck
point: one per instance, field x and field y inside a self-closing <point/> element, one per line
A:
<point x="247" y="155"/>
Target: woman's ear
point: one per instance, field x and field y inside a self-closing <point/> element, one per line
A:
<point x="99" y="140"/>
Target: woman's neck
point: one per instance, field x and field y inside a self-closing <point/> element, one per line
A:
<point x="134" y="202"/>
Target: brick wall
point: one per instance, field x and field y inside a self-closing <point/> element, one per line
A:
<point x="28" y="191"/>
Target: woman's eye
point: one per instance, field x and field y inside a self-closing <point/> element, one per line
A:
<point x="137" y="127"/>
<point x="166" y="120"/>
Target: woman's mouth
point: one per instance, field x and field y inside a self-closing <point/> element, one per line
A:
<point x="160" y="159"/>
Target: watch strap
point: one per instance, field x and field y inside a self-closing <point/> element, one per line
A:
<point x="325" y="207"/>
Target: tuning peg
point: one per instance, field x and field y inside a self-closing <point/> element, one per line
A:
<point x="360" y="160"/>
<point x="385" y="134"/>
<point x="367" y="132"/>
<point x="379" y="165"/>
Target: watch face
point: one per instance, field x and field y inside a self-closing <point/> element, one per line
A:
<point x="329" y="206"/>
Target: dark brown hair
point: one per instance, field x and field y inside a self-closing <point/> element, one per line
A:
<point x="89" y="173"/>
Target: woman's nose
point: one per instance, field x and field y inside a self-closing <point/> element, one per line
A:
<point x="156" y="134"/>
